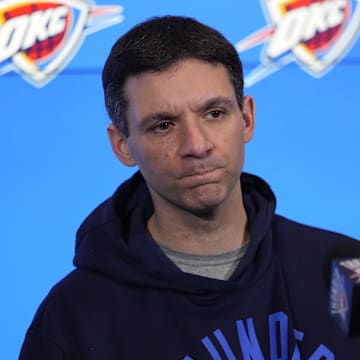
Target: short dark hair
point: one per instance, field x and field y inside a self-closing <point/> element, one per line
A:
<point x="157" y="44"/>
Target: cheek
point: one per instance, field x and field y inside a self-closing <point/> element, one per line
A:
<point x="234" y="149"/>
<point x="233" y="142"/>
<point x="155" y="160"/>
<point x="163" y="150"/>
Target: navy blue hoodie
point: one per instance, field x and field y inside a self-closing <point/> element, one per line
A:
<point x="127" y="300"/>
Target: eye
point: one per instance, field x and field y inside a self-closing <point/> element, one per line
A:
<point x="216" y="114"/>
<point x="162" y="127"/>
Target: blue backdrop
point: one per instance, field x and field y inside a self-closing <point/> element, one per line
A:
<point x="57" y="164"/>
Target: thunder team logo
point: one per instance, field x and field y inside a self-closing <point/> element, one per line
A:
<point x="38" y="38"/>
<point x="316" y="34"/>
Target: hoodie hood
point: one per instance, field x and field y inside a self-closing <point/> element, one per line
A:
<point x="114" y="241"/>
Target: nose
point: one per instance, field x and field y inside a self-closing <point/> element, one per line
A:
<point x="194" y="139"/>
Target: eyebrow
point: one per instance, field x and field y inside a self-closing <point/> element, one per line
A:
<point x="218" y="101"/>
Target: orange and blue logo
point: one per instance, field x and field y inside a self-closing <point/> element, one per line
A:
<point x="39" y="38"/>
<point x="316" y="34"/>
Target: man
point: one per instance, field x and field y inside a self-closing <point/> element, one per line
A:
<point x="187" y="259"/>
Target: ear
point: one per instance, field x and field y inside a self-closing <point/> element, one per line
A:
<point x="248" y="114"/>
<point x="119" y="144"/>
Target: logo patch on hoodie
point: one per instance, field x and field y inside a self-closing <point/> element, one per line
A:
<point x="39" y="38"/>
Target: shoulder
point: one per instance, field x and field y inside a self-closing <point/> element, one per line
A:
<point x="297" y="235"/>
<point x="79" y="296"/>
<point x="62" y="297"/>
<point x="69" y="312"/>
<point x="302" y="248"/>
<point x="47" y="334"/>
<point x="76" y="290"/>
<point x="66" y="314"/>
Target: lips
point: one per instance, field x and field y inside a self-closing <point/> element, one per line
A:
<point x="201" y="173"/>
<point x="200" y="169"/>
<point x="203" y="177"/>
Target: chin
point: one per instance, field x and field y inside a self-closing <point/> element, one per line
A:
<point x="204" y="203"/>
<point x="207" y="213"/>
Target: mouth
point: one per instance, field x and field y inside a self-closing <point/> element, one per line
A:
<point x="200" y="168"/>
<point x="202" y="172"/>
<point x="201" y="177"/>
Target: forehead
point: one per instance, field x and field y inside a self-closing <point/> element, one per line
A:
<point x="187" y="83"/>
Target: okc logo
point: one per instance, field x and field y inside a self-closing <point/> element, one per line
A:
<point x="316" y="34"/>
<point x="38" y="38"/>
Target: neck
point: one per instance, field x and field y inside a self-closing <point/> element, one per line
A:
<point x="221" y="230"/>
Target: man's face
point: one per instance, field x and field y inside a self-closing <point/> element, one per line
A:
<point x="187" y="135"/>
